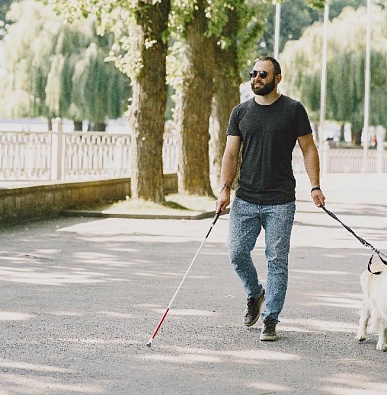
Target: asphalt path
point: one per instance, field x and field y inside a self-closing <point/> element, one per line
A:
<point x="80" y="298"/>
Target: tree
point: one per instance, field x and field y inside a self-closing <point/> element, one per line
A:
<point x="149" y="100"/>
<point x="346" y="68"/>
<point x="58" y="71"/>
<point x="193" y="106"/>
<point x="140" y="31"/>
<point x="233" y="57"/>
<point x="211" y="77"/>
<point x="198" y="24"/>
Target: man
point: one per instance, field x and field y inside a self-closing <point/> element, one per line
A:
<point x="267" y="128"/>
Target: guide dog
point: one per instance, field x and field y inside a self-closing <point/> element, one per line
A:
<point x="374" y="308"/>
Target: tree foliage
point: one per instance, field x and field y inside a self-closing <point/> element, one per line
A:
<point x="191" y="63"/>
<point x="140" y="30"/>
<point x="345" y="67"/>
<point x="4" y="8"/>
<point x="59" y="71"/>
<point x="297" y="15"/>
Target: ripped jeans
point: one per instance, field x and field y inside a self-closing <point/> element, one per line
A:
<point x="246" y="222"/>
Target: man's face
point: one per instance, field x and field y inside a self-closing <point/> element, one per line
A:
<point x="263" y="86"/>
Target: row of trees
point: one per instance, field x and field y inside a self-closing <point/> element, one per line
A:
<point x="201" y="50"/>
<point x="301" y="61"/>
<point x="295" y="17"/>
<point x="58" y="70"/>
<point x="209" y="43"/>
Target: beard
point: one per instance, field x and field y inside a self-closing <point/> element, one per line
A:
<point x="265" y="89"/>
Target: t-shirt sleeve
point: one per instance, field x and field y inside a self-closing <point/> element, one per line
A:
<point x="233" y="123"/>
<point x="302" y="124"/>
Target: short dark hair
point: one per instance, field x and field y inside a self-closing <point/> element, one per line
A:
<point x="276" y="65"/>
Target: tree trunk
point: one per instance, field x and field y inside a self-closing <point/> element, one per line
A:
<point x="342" y="130"/>
<point x="226" y="93"/>
<point x="78" y="126"/>
<point x="193" y="108"/>
<point x="149" y="101"/>
<point x="99" y="127"/>
<point x="356" y="137"/>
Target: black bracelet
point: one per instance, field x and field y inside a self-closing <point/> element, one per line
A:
<point x="315" y="189"/>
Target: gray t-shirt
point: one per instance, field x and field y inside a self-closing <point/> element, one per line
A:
<point x="269" y="134"/>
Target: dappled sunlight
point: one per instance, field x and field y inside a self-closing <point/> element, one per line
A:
<point x="94" y="256"/>
<point x="37" y="276"/>
<point x="146" y="306"/>
<point x="261" y="355"/>
<point x="352" y="384"/>
<point x="7" y="364"/>
<point x="303" y="324"/>
<point x="140" y="237"/>
<point x="164" y="274"/>
<point x="32" y="378"/>
<point x="335" y="256"/>
<point x="188" y="312"/>
<point x="183" y="359"/>
<point x="49" y="251"/>
<point x="65" y="313"/>
<point x="23" y="384"/>
<point x="93" y="341"/>
<point x="160" y="274"/>
<point x="14" y="316"/>
<point x="101" y="259"/>
<point x="113" y="314"/>
<point x="349" y="301"/>
<point x="110" y="230"/>
<point x="269" y="387"/>
<point x="192" y="355"/>
<point x="122" y="249"/>
<point x="323" y="272"/>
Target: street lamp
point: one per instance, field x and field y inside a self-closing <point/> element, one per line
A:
<point x="367" y="88"/>
<point x="277" y="28"/>
<point x="323" y="89"/>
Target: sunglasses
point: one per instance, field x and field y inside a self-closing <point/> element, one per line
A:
<point x="262" y="74"/>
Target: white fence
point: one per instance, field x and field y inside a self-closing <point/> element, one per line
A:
<point x="94" y="155"/>
<point x="72" y="156"/>
<point x="346" y="160"/>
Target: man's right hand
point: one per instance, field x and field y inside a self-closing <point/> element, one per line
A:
<point x="223" y="200"/>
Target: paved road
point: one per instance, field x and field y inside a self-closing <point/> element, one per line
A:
<point x="81" y="297"/>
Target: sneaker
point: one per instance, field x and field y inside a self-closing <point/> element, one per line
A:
<point x="268" y="332"/>
<point x="253" y="309"/>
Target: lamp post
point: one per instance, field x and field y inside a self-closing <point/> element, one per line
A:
<point x="323" y="90"/>
<point x="367" y="88"/>
<point x="277" y="28"/>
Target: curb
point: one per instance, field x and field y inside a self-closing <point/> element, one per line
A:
<point x="102" y="214"/>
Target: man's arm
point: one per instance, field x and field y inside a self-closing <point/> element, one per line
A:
<point x="228" y="171"/>
<point x="312" y="167"/>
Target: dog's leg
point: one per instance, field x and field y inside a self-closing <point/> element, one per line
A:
<point x="363" y="322"/>
<point x="382" y="342"/>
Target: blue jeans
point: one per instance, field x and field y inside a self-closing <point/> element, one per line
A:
<point x="246" y="222"/>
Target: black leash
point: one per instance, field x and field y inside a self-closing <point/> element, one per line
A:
<point x="364" y="242"/>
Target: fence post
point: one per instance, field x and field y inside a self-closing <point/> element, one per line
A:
<point x="57" y="150"/>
